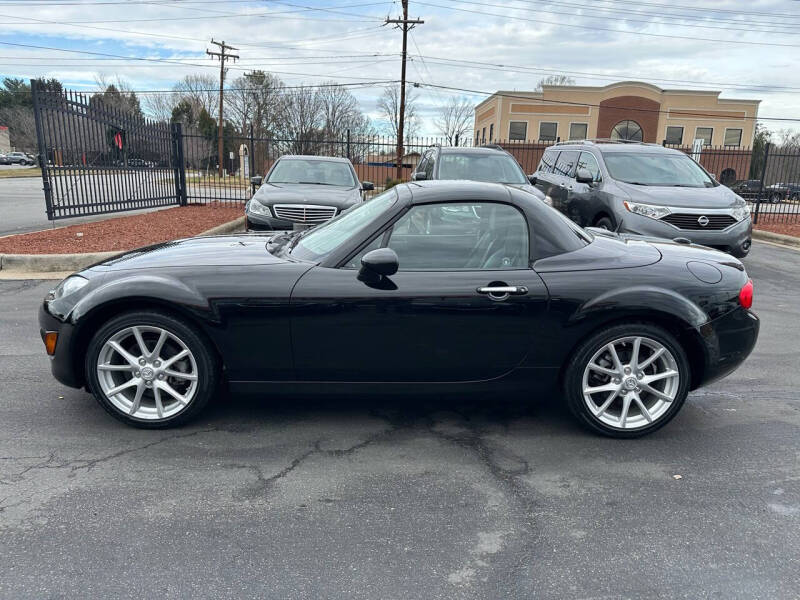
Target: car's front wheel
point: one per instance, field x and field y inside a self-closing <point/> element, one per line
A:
<point x="775" y="198"/>
<point x="628" y="380"/>
<point x="150" y="369"/>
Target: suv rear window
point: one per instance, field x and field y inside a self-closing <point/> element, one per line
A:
<point x="495" y="167"/>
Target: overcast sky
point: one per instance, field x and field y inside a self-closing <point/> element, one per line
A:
<point x="747" y="49"/>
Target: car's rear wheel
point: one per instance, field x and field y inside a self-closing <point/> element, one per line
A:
<point x="628" y="380"/>
<point x="775" y="198"/>
<point x="151" y="370"/>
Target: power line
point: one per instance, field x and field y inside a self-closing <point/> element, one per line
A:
<point x="595" y="28"/>
<point x="703" y="9"/>
<point x="589" y="104"/>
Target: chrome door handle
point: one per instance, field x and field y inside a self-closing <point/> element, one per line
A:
<point x="501" y="292"/>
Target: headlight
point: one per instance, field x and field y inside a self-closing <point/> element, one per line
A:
<point x="647" y="210"/>
<point x="69" y="286"/>
<point x="740" y="213"/>
<point x="257" y="208"/>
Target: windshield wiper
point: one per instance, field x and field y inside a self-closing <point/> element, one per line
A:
<point x="637" y="183"/>
<point x="314" y="183"/>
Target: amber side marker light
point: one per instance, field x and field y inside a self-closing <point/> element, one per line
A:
<point x="50" y="339"/>
<point x="746" y="294"/>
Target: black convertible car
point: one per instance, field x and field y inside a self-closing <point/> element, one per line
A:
<point x="443" y="286"/>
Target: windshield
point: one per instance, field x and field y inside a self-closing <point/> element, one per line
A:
<point x="320" y="172"/>
<point x="324" y="239"/>
<point x="492" y="168"/>
<point x="662" y="169"/>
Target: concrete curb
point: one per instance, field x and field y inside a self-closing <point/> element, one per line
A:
<point x="49" y="263"/>
<point x="777" y="238"/>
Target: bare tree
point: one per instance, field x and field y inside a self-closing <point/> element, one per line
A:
<point x="554" y="80"/>
<point x="200" y="91"/>
<point x="159" y="106"/>
<point x="256" y="98"/>
<point x="389" y="107"/>
<point x="303" y="120"/>
<point x="455" y="119"/>
<point x="21" y="127"/>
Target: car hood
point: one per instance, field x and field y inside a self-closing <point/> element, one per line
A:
<point x="294" y="193"/>
<point x="212" y="251"/>
<point x="715" y="197"/>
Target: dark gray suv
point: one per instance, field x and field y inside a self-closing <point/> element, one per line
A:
<point x="644" y="189"/>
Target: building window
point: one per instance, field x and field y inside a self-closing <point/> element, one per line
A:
<point x="705" y="134"/>
<point x="674" y="136"/>
<point x="491" y="132"/>
<point x="733" y="137"/>
<point x="548" y="131"/>
<point x="477" y="137"/>
<point x="483" y="135"/>
<point x="577" y="131"/>
<point x="628" y="130"/>
<point x="518" y="131"/>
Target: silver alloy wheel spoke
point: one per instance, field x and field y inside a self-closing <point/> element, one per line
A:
<point x="147" y="372"/>
<point x="638" y="390"/>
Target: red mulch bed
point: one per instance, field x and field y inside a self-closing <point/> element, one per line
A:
<point x="122" y="233"/>
<point x="785" y="224"/>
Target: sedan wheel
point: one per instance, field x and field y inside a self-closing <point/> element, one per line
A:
<point x="150" y="370"/>
<point x="630" y="380"/>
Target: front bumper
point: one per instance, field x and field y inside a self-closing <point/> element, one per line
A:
<point x="728" y="340"/>
<point x="735" y="240"/>
<point x="63" y="363"/>
<point x="257" y="222"/>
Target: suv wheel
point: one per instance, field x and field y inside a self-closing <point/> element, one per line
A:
<point x="605" y="223"/>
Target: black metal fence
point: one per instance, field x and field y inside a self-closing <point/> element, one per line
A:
<point x="97" y="158"/>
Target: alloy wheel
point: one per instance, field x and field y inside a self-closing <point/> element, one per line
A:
<point x="631" y="382"/>
<point x="147" y="372"/>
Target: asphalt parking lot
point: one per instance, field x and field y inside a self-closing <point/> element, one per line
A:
<point x="404" y="498"/>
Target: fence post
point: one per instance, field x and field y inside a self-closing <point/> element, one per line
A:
<point x="456" y="139"/>
<point x="180" y="164"/>
<point x="761" y="184"/>
<point x="37" y="115"/>
<point x="348" y="144"/>
<point x="252" y="159"/>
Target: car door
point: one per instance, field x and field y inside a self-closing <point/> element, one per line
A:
<point x="583" y="199"/>
<point x="563" y="179"/>
<point x="463" y="305"/>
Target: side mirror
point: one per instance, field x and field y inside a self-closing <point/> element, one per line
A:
<point x="532" y="179"/>
<point x="381" y="262"/>
<point x="367" y="186"/>
<point x="419" y="176"/>
<point x="584" y="176"/>
<point x="256" y="180"/>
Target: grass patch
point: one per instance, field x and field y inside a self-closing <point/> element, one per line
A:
<point x="12" y="173"/>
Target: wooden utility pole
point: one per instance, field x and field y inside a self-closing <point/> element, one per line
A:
<point x="406" y="25"/>
<point x="222" y="58"/>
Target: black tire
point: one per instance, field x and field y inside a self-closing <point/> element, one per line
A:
<point x="605" y="223"/>
<point x="775" y="198"/>
<point x="207" y="365"/>
<point x="795" y="197"/>
<point x="573" y="377"/>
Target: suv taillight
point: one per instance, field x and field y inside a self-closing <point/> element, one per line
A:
<point x="746" y="294"/>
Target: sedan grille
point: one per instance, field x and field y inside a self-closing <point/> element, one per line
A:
<point x="304" y="213"/>
<point x="699" y="222"/>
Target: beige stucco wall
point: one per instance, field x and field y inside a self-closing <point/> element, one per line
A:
<point x="578" y="104"/>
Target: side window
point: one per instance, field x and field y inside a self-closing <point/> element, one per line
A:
<point x="566" y="163"/>
<point x="461" y="236"/>
<point x="589" y="162"/>
<point x="548" y="161"/>
<point x="429" y="165"/>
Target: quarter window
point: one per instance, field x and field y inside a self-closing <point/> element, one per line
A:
<point x="577" y="131"/>
<point x="705" y="134"/>
<point x="674" y="136"/>
<point x="518" y="131"/>
<point x="565" y="165"/>
<point x="733" y="137"/>
<point x="548" y="131"/>
<point x="461" y="236"/>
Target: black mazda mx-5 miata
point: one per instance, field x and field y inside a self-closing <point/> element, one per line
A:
<point x="430" y="286"/>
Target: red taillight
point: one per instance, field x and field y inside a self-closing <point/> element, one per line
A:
<point x="746" y="294"/>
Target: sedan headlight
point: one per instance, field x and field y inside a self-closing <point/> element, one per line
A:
<point x="257" y="208"/>
<point x="740" y="213"/>
<point x="69" y="286"/>
<point x="647" y="210"/>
